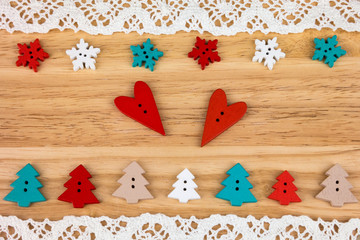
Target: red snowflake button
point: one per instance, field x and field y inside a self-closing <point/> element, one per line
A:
<point x="30" y="55"/>
<point x="205" y="52"/>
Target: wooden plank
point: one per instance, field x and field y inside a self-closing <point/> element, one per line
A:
<point x="303" y="117"/>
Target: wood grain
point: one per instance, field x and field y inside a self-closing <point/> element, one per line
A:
<point x="303" y="117"/>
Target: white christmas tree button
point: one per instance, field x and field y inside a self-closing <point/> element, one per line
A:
<point x="268" y="52"/>
<point x="83" y="55"/>
<point x="184" y="187"/>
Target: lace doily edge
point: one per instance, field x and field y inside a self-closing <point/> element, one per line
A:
<point x="162" y="216"/>
<point x="181" y="228"/>
<point x="214" y="32"/>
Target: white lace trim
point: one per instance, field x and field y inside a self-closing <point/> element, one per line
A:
<point x="219" y="17"/>
<point x="159" y="226"/>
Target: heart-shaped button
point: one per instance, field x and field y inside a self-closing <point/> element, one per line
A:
<point x="142" y="107"/>
<point x="220" y="116"/>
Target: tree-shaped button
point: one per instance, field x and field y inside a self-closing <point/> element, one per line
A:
<point x="237" y="187"/>
<point x="79" y="188"/>
<point x="26" y="187"/>
<point x="133" y="184"/>
<point x="337" y="187"/>
<point x="285" y="189"/>
<point x="184" y="187"/>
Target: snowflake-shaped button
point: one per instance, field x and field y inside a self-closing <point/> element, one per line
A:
<point x="327" y="49"/>
<point x="268" y="52"/>
<point x="83" y="55"/>
<point x="30" y="55"/>
<point x="145" y="54"/>
<point x="205" y="52"/>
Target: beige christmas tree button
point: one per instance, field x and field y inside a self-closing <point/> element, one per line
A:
<point x="336" y="187"/>
<point x="133" y="184"/>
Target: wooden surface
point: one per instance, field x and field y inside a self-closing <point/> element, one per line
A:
<point x="303" y="117"/>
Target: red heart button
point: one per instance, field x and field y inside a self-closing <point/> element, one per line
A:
<point x="220" y="116"/>
<point x="142" y="107"/>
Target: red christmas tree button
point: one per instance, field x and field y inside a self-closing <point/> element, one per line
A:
<point x="285" y="189"/>
<point x="79" y="188"/>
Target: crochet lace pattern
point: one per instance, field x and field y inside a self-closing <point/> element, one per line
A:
<point x="219" y="17"/>
<point x="159" y="226"/>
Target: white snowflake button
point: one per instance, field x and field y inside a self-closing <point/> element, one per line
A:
<point x="268" y="52"/>
<point x="83" y="55"/>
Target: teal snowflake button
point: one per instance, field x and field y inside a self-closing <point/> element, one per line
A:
<point x="327" y="49"/>
<point x="145" y="54"/>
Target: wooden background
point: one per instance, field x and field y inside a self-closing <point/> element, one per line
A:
<point x="303" y="117"/>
